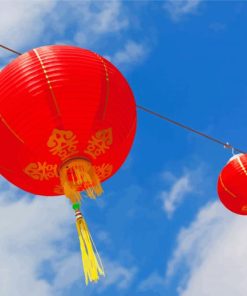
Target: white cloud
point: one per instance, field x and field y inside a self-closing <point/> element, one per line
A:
<point x="36" y="248"/>
<point x="29" y="234"/>
<point x="178" y="192"/>
<point x="118" y="275"/>
<point x="24" y="24"/>
<point x="153" y="282"/>
<point x="180" y="188"/>
<point x="104" y="237"/>
<point x="93" y="20"/>
<point x="108" y="17"/>
<point x="86" y="24"/>
<point x="132" y="53"/>
<point x="213" y="252"/>
<point x="179" y="8"/>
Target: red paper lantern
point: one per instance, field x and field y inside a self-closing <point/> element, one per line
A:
<point x="67" y="123"/>
<point x="58" y="103"/>
<point x="232" y="184"/>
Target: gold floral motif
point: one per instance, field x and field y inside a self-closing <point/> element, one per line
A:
<point x="103" y="171"/>
<point x="63" y="143"/>
<point x="41" y="171"/>
<point x="99" y="143"/>
<point x="58" y="190"/>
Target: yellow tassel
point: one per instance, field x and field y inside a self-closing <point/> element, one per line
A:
<point x="79" y="175"/>
<point x="90" y="258"/>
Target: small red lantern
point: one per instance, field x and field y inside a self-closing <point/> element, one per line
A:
<point x="232" y="184"/>
<point x="67" y="123"/>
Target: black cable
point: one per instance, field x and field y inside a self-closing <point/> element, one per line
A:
<point x="225" y="145"/>
<point x="9" y="49"/>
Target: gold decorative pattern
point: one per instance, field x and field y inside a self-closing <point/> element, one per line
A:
<point x="103" y="171"/>
<point x="58" y="189"/>
<point x="227" y="190"/>
<point x="41" y="171"/>
<point x="99" y="143"/>
<point x="63" y="143"/>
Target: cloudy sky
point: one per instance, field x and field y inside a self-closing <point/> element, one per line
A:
<point x="159" y="226"/>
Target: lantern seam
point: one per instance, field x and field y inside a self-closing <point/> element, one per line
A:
<point x="48" y="82"/>
<point x="8" y="170"/>
<point x="107" y="84"/>
<point x="242" y="166"/>
<point x="10" y="129"/>
<point x="225" y="188"/>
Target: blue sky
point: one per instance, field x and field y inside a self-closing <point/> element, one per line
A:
<point x="159" y="226"/>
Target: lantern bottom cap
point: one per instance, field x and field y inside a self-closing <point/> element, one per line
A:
<point x="76" y="175"/>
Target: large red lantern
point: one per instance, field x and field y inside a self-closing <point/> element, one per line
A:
<point x="67" y="123"/>
<point x="232" y="184"/>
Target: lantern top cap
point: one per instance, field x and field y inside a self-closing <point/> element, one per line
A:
<point x="235" y="156"/>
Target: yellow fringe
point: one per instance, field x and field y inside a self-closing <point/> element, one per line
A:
<point x="76" y="174"/>
<point x="90" y="258"/>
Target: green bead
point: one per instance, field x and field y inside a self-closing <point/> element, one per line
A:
<point x="76" y="206"/>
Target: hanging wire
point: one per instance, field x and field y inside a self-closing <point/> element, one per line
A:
<point x="158" y="115"/>
<point x="9" y="49"/>
<point x="224" y="144"/>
